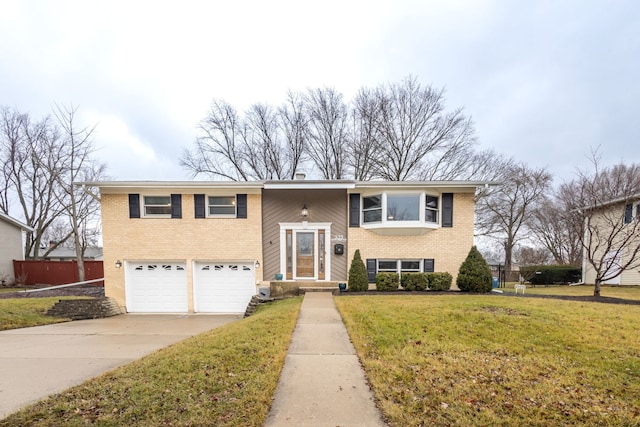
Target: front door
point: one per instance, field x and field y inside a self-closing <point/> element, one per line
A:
<point x="305" y="265"/>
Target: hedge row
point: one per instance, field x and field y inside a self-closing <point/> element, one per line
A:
<point x="386" y="282"/>
<point x="549" y="274"/>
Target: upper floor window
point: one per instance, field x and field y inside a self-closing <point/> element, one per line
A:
<point x="403" y="207"/>
<point x="398" y="207"/>
<point x="372" y="208"/>
<point x="157" y="206"/>
<point x="431" y="209"/>
<point x="222" y="205"/>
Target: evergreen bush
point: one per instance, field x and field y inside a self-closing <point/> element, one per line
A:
<point x="440" y="281"/>
<point x="474" y="274"/>
<point x="358" y="280"/>
<point x="386" y="282"/>
<point x="414" y="281"/>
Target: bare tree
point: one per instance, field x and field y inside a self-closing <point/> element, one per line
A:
<point x="394" y="132"/>
<point x="78" y="165"/>
<point x="32" y="154"/>
<point x="327" y="114"/>
<point x="530" y="255"/>
<point x="416" y="133"/>
<point x="218" y="152"/>
<point x="261" y="151"/>
<point x="264" y="143"/>
<point x="504" y="212"/>
<point x="603" y="200"/>
<point x="557" y="229"/>
<point x="363" y="137"/>
<point x="294" y="124"/>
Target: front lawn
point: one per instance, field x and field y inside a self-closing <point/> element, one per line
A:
<point x="224" y="377"/>
<point x="25" y="312"/>
<point x="484" y="360"/>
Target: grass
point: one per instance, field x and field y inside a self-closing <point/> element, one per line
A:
<point x="624" y="292"/>
<point x="225" y="377"/>
<point x="484" y="360"/>
<point x="25" y="312"/>
<point x="10" y="290"/>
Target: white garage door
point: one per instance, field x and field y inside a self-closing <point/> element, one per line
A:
<point x="223" y="287"/>
<point x="156" y="287"/>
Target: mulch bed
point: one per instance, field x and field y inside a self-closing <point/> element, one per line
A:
<point x="73" y="291"/>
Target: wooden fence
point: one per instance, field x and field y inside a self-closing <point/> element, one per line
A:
<point x="43" y="272"/>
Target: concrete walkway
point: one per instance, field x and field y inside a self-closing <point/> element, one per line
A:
<point x="39" y="361"/>
<point x="322" y="382"/>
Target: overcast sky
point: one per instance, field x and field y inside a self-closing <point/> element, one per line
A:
<point x="544" y="81"/>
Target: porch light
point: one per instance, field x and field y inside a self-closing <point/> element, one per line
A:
<point x="257" y="264"/>
<point x="118" y="264"/>
<point x="305" y="211"/>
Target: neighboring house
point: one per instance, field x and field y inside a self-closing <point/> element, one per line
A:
<point x="69" y="254"/>
<point x="207" y="246"/>
<point x="624" y="217"/>
<point x="11" y="245"/>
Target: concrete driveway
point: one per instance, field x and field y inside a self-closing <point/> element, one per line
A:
<point x="39" y="361"/>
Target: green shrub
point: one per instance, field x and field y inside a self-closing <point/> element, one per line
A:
<point x="386" y="282"/>
<point x="474" y="274"/>
<point x="358" y="280"/>
<point x="550" y="274"/>
<point x="440" y="281"/>
<point x="414" y="281"/>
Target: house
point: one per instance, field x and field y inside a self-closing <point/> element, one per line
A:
<point x="91" y="253"/>
<point x="207" y="246"/>
<point x="613" y="233"/>
<point x="11" y="245"/>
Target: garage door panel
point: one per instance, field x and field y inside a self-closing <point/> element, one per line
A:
<point x="157" y="287"/>
<point x="223" y="287"/>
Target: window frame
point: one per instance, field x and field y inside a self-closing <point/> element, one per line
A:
<point x="421" y="222"/>
<point x="398" y="265"/>
<point x="209" y="205"/>
<point x="381" y="208"/>
<point x="145" y="205"/>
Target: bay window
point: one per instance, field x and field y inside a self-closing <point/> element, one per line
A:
<point x="412" y="208"/>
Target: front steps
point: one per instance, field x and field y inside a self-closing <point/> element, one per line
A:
<point x="287" y="288"/>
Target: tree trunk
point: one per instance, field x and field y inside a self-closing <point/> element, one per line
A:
<point x="596" y="288"/>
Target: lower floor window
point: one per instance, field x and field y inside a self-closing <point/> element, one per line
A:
<point x="399" y="266"/>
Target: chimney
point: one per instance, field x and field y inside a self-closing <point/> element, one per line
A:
<point x="52" y="244"/>
<point x="301" y="176"/>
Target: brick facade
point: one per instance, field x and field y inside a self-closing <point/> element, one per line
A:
<point x="186" y="239"/>
<point x="447" y="246"/>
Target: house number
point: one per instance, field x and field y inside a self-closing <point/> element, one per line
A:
<point x="338" y="238"/>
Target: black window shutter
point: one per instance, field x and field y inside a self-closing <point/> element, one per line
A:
<point x="447" y="209"/>
<point x="372" y="265"/>
<point x="428" y="265"/>
<point x="628" y="213"/>
<point x="198" y="205"/>
<point x="354" y="210"/>
<point x="176" y="206"/>
<point x="134" y="206"/>
<point x="241" y="205"/>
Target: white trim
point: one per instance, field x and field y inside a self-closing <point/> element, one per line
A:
<point x="305" y="226"/>
<point x="143" y="206"/>
<point x="15" y="222"/>
<point x="320" y="185"/>
<point x="390" y="227"/>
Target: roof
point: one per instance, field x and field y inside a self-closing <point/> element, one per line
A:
<point x="62" y="252"/>
<point x="256" y="186"/>
<point x="15" y="222"/>
<point x="615" y="201"/>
